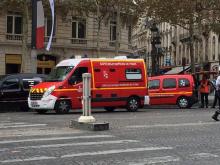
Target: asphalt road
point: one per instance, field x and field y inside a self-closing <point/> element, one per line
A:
<point x="150" y="136"/>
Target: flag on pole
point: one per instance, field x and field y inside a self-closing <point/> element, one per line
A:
<point x="52" y="27"/>
<point x="38" y="28"/>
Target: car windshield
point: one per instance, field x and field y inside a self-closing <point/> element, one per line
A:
<point x="59" y="73"/>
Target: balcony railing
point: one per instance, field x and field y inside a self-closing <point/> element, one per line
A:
<point x="78" y="41"/>
<point x="14" y="37"/>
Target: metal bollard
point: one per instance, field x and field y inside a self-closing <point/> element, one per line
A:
<point x="86" y="100"/>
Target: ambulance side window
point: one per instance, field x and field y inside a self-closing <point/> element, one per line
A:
<point x="77" y="75"/>
<point x="133" y="74"/>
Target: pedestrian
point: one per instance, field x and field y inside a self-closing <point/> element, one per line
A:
<point x="217" y="112"/>
<point x="213" y="83"/>
<point x="204" y="91"/>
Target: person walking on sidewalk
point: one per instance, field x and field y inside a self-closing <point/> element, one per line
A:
<point x="217" y="112"/>
<point x="204" y="91"/>
<point x="213" y="83"/>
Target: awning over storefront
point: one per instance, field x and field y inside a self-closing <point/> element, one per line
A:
<point x="178" y="70"/>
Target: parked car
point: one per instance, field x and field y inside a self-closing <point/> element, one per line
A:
<point x="172" y="89"/>
<point x="14" y="89"/>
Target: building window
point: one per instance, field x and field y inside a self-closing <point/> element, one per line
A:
<point x="129" y="34"/>
<point x="48" y="27"/>
<point x="78" y="31"/>
<point x="112" y="30"/>
<point x="14" y="27"/>
<point x="79" y="28"/>
<point x="213" y="48"/>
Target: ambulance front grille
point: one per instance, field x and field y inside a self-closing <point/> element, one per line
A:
<point x="36" y="96"/>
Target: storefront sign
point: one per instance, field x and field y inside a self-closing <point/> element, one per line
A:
<point x="13" y="59"/>
<point x="45" y="64"/>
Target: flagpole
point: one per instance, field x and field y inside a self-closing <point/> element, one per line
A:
<point x="52" y="27"/>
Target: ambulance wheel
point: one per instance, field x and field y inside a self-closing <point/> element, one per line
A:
<point x="40" y="111"/>
<point x="109" y="109"/>
<point x="183" y="102"/>
<point x="62" y="106"/>
<point x="133" y="104"/>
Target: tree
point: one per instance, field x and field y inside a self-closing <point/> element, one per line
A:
<point x="193" y="16"/>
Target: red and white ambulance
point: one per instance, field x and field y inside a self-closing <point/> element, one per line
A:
<point x="114" y="83"/>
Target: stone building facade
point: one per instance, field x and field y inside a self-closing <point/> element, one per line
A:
<point x="175" y="47"/>
<point x="73" y="36"/>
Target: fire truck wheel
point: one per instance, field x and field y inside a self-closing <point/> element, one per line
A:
<point x="40" y="111"/>
<point x="62" y="106"/>
<point x="109" y="109"/>
<point x="183" y="102"/>
<point x="133" y="104"/>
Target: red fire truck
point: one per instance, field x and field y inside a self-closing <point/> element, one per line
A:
<point x="114" y="83"/>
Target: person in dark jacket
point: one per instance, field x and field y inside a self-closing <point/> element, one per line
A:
<point x="213" y="84"/>
<point x="215" y="116"/>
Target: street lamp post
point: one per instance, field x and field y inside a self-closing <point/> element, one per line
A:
<point x="155" y="49"/>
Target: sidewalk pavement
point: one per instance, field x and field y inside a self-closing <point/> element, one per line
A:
<point x="211" y="100"/>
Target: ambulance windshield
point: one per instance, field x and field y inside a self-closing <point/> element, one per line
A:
<point x="59" y="73"/>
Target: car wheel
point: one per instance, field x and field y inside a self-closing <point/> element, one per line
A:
<point x="183" y="102"/>
<point x="109" y="109"/>
<point x="133" y="103"/>
<point x="40" y="111"/>
<point x="62" y="106"/>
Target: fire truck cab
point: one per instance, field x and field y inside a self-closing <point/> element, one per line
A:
<point x="114" y="83"/>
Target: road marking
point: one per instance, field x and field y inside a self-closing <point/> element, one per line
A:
<point x="28" y="159"/>
<point x="116" y="151"/>
<point x="79" y="144"/>
<point x="10" y="123"/>
<point x="24" y="125"/>
<point x="173" y="125"/>
<point x="87" y="154"/>
<point x="204" y="155"/>
<point x="55" y="138"/>
<point x="156" y="160"/>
